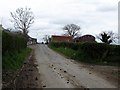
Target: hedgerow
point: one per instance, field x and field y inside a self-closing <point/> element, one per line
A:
<point x="14" y="50"/>
<point x="12" y="42"/>
<point x="91" y="52"/>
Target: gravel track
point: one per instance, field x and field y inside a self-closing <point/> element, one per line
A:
<point x="58" y="72"/>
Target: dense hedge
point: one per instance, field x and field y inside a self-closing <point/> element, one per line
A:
<point x="92" y="52"/>
<point x="12" y="42"/>
<point x="65" y="44"/>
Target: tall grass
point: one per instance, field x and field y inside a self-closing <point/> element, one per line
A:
<point x="14" y="60"/>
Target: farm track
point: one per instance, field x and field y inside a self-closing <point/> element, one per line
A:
<point x="58" y="72"/>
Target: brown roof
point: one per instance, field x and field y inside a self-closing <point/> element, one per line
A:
<point x="84" y="38"/>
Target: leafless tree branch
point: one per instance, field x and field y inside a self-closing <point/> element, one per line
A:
<point x="72" y="29"/>
<point x="22" y="19"/>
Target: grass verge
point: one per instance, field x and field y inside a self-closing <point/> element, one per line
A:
<point x="80" y="56"/>
<point x="14" y="60"/>
<point x="67" y="52"/>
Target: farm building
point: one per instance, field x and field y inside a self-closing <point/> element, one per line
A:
<point x="31" y="40"/>
<point x="85" y="38"/>
<point x="61" y="38"/>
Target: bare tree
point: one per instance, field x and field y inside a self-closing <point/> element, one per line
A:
<point x="71" y="30"/>
<point x="22" y="19"/>
<point x="107" y="37"/>
<point x="46" y="38"/>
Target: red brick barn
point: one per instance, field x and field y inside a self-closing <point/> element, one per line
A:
<point x="61" y="38"/>
<point x="85" y="38"/>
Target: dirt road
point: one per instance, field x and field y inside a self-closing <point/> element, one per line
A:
<point x="58" y="72"/>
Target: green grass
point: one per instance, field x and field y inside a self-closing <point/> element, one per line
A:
<point x="83" y="57"/>
<point x="69" y="53"/>
<point x="14" y="60"/>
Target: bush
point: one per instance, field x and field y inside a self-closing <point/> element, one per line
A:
<point x="65" y="44"/>
<point x="14" y="50"/>
<point x="114" y="53"/>
<point x="90" y="52"/>
<point x="93" y="50"/>
<point x="12" y="42"/>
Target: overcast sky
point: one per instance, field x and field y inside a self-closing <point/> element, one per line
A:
<point x="93" y="16"/>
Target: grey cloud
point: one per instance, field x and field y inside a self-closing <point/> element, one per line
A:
<point x="107" y="8"/>
<point x="62" y="21"/>
<point x="52" y="15"/>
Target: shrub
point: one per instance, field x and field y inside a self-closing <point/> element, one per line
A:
<point x="65" y="44"/>
<point x="91" y="52"/>
<point x="12" y="42"/>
